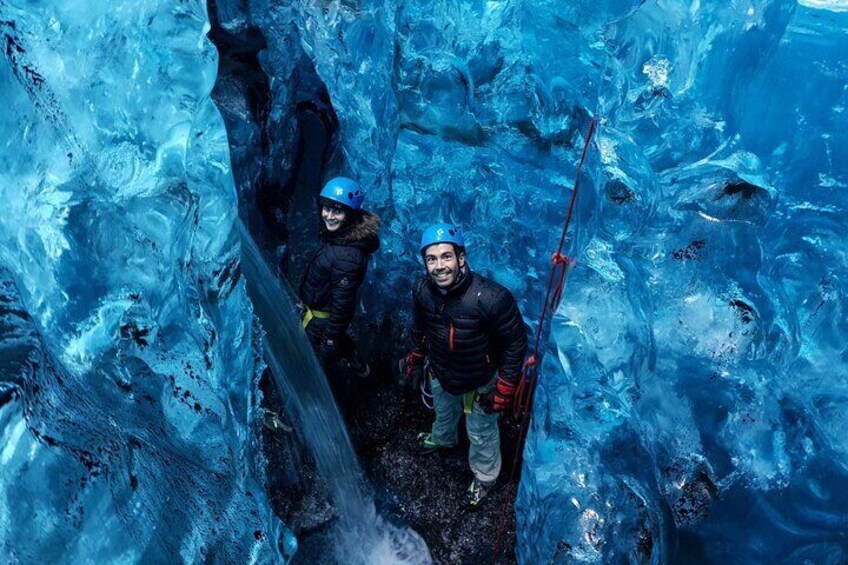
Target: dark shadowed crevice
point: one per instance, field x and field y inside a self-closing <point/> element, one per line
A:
<point x="270" y="184"/>
<point x="278" y="175"/>
<point x="317" y="127"/>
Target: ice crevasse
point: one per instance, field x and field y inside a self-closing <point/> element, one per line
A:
<point x="693" y="387"/>
<point x="693" y="394"/>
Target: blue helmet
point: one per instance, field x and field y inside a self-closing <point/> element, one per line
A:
<point x="442" y="233"/>
<point x="344" y="191"/>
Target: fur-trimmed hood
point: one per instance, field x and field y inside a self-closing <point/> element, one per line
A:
<point x="361" y="232"/>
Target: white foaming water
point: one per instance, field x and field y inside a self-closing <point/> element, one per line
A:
<point x="363" y="537"/>
<point x="381" y="543"/>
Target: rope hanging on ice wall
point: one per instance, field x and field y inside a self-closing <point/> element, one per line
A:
<point x="560" y="264"/>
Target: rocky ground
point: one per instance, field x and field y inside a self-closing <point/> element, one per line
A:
<point x="422" y="492"/>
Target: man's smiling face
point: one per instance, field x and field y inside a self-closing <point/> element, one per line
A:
<point x="443" y="264"/>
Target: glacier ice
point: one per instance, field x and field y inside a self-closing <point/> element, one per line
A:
<point x="129" y="351"/>
<point x="129" y="355"/>
<point x="694" y="416"/>
<point x="692" y="399"/>
<point x="694" y="376"/>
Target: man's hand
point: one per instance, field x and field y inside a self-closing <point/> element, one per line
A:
<point x="411" y="370"/>
<point x="499" y="398"/>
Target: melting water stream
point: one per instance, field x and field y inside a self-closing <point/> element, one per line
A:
<point x="361" y="536"/>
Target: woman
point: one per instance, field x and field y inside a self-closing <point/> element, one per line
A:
<point x="335" y="272"/>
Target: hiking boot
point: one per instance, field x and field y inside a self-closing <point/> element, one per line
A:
<point x="426" y="446"/>
<point x="477" y="492"/>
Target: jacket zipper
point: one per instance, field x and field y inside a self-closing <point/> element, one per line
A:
<point x="451" y="327"/>
<point x="309" y="270"/>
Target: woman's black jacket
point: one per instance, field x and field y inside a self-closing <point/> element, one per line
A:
<point x="337" y="269"/>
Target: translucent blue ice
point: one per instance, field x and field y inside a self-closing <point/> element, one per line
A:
<point x="692" y="401"/>
<point x="128" y="352"/>
<point x="700" y="409"/>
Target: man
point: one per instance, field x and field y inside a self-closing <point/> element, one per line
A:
<point x="471" y="333"/>
<point x="335" y="272"/>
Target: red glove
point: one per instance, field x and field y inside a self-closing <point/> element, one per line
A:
<point x="412" y="370"/>
<point x="499" y="398"/>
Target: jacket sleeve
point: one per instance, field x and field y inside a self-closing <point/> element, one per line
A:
<point x="509" y="335"/>
<point x="417" y="331"/>
<point x="346" y="276"/>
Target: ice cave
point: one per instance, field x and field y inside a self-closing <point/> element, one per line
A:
<point x="646" y="192"/>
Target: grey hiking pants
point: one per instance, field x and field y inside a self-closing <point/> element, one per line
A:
<point x="484" y="455"/>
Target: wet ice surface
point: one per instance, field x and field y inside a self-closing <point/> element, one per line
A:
<point x="126" y="337"/>
<point x="693" y="399"/>
<point x="698" y="416"/>
<point x="694" y="390"/>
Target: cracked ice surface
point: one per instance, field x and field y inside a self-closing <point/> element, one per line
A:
<point x="127" y="345"/>
<point x="692" y="402"/>
<point x="693" y="395"/>
<point x="703" y="339"/>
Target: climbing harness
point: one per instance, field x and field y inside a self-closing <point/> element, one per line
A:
<point x="468" y="401"/>
<point x="427" y="395"/>
<point x="560" y="263"/>
<point x="310" y="313"/>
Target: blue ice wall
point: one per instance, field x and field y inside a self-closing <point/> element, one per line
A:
<point x="128" y="352"/>
<point x="699" y="411"/>
<point x="692" y="400"/>
<point x="693" y="392"/>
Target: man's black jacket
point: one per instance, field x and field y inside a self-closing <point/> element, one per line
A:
<point x="469" y="333"/>
<point x="336" y="271"/>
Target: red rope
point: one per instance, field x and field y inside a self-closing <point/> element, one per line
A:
<point x="527" y="386"/>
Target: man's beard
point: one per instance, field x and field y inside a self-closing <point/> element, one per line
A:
<point x="445" y="277"/>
